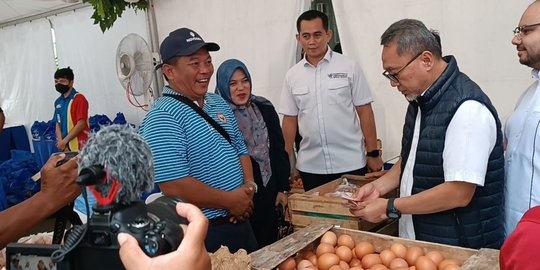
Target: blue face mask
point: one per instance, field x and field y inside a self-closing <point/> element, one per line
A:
<point x="61" y="88"/>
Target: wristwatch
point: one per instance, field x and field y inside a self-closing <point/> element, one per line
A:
<point x="391" y="211"/>
<point x="253" y="184"/>
<point x="374" y="153"/>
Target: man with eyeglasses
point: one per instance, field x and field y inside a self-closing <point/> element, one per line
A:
<point x="522" y="130"/>
<point x="70" y="113"/>
<point x="451" y="169"/>
<point x="326" y="97"/>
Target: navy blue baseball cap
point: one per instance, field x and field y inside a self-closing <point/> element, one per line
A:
<point x="183" y="42"/>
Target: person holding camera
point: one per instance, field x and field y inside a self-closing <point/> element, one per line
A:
<point x="191" y="254"/>
<point x="58" y="188"/>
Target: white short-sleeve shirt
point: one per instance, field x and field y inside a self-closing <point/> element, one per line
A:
<point x="470" y="139"/>
<point x="324" y="98"/>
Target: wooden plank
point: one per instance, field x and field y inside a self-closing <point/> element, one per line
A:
<point x="301" y="221"/>
<point x="271" y="256"/>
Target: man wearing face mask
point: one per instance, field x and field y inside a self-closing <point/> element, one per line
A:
<point x="70" y="113"/>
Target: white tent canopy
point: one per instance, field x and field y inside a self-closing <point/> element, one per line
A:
<point x="262" y="34"/>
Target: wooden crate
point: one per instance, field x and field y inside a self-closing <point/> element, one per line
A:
<point x="271" y="256"/>
<point x="313" y="207"/>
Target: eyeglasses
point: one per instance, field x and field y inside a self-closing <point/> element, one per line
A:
<point x="393" y="76"/>
<point x="520" y="31"/>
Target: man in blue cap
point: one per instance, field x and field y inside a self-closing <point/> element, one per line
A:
<point x="203" y="163"/>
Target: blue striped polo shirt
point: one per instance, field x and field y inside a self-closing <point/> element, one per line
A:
<point x="184" y="144"/>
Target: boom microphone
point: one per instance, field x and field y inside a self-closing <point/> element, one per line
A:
<point x="117" y="161"/>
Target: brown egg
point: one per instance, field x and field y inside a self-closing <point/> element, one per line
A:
<point x="425" y="263"/>
<point x="387" y="256"/>
<point x="356" y="268"/>
<point x="400" y="268"/>
<point x="344" y="265"/>
<point x="345" y="240"/>
<point x="412" y="254"/>
<point x="344" y="253"/>
<point x="398" y="263"/>
<point x="378" y="267"/>
<point x="354" y="252"/>
<point x="435" y="256"/>
<point x="335" y="267"/>
<point x="412" y="267"/>
<point x="288" y="264"/>
<point x="303" y="264"/>
<point x="355" y="262"/>
<point x="443" y="264"/>
<point x="451" y="267"/>
<point x="303" y="255"/>
<point x="329" y="238"/>
<point x="399" y="249"/>
<point x="313" y="259"/>
<point x="363" y="248"/>
<point x="370" y="260"/>
<point x="327" y="260"/>
<point x="324" y="248"/>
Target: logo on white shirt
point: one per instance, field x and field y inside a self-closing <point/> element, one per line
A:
<point x="337" y="75"/>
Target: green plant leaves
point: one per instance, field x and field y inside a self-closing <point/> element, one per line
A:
<point x="107" y="11"/>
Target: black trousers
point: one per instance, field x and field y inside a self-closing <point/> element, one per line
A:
<point x="311" y="180"/>
<point x="234" y="236"/>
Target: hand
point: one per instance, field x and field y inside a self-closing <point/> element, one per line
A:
<point x="373" y="211"/>
<point x="374" y="164"/>
<point x="61" y="144"/>
<point x="366" y="192"/>
<point x="242" y="204"/>
<point x="282" y="199"/>
<point x="191" y="254"/>
<point x="374" y="175"/>
<point x="58" y="183"/>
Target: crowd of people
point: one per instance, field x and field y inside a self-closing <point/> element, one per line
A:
<point x="464" y="179"/>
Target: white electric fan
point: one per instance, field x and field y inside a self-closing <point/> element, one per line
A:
<point x="135" y="69"/>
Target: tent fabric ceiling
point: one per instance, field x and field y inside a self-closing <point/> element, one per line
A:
<point x="17" y="9"/>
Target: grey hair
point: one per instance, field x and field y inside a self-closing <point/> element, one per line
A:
<point x="412" y="37"/>
<point x="125" y="155"/>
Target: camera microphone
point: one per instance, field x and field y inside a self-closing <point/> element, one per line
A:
<point x="118" y="160"/>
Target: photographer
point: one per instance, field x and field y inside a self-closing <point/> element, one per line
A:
<point x="58" y="188"/>
<point x="191" y="254"/>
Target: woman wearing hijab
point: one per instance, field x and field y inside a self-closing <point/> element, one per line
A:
<point x="259" y="123"/>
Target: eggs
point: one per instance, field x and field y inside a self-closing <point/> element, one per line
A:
<point x="412" y="254"/>
<point x="363" y="248"/>
<point x="399" y="249"/>
<point x="398" y="263"/>
<point x="345" y="240"/>
<point x="339" y="252"/>
<point x="435" y="256"/>
<point x="425" y="263"/>
<point x="288" y="264"/>
<point x="329" y="238"/>
<point x="327" y="260"/>
<point x="344" y="253"/>
<point x="387" y="256"/>
<point x="370" y="260"/>
<point x="324" y="248"/>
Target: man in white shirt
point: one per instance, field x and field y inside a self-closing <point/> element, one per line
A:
<point x="522" y="130"/>
<point x="326" y="97"/>
<point x="451" y="169"/>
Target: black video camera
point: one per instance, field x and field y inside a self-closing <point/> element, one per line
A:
<point x="95" y="246"/>
<point x="156" y="227"/>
